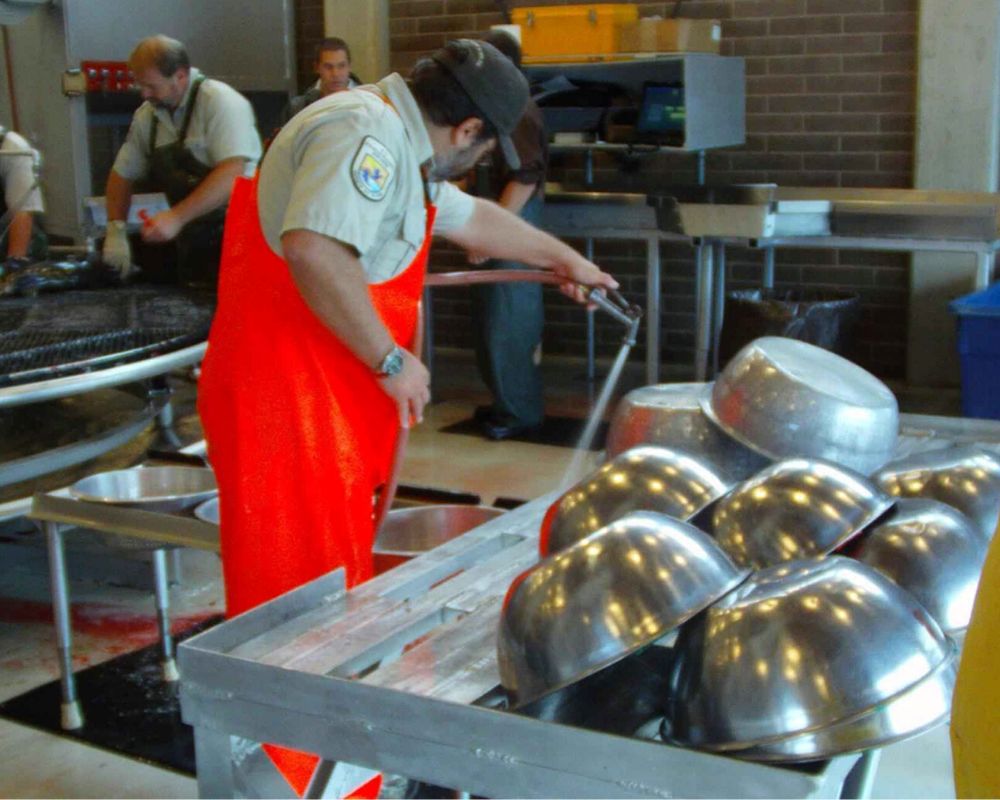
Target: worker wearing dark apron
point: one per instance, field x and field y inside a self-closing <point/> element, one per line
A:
<point x="308" y="375"/>
<point x="21" y="236"/>
<point x="190" y="139"/>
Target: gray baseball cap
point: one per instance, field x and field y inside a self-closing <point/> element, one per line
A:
<point x="495" y="85"/>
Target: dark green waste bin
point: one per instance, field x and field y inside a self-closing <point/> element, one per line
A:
<point x="823" y="317"/>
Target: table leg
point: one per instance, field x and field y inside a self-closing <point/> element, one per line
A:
<point x="653" y="310"/>
<point x="767" y="279"/>
<point x="71" y="715"/>
<point x="859" y="781"/>
<point x="213" y="754"/>
<point x="163" y="614"/>
<point x="703" y="320"/>
<point x="719" y="310"/>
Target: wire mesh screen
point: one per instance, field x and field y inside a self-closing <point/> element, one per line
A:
<point x="62" y="334"/>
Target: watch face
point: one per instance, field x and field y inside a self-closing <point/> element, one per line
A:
<point x="392" y="364"/>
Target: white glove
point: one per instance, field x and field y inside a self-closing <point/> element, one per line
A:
<point x="117" y="252"/>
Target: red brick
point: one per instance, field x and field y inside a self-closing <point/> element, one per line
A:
<point x="896" y="123"/>
<point x="898" y="84"/>
<point x="841" y="162"/>
<point x="767" y="161"/>
<point x="842" y="84"/>
<point x="744" y="9"/>
<point x="877" y="180"/>
<point x="802" y="143"/>
<point x="803" y="65"/>
<point x="899" y="43"/>
<point x="800" y="104"/>
<point x="469" y="6"/>
<point x="841" y="123"/>
<point x="843" y="6"/>
<point x="877" y="142"/>
<point x="798" y="26"/>
<point x="465" y="22"/>
<point x="879" y="102"/>
<point x="770" y="46"/>
<point x="909" y="6"/>
<point x="775" y="84"/>
<point x="774" y="123"/>
<point x="895" y="162"/>
<point x="806" y="177"/>
<point x="887" y="62"/>
<point x="738" y="28"/>
<point x="871" y="43"/>
<point x="418" y="43"/>
<point x="417" y="8"/>
<point x="880" y="23"/>
<point x="402" y="25"/>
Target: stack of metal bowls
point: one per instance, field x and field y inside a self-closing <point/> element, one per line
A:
<point x="784" y="667"/>
<point x="670" y="415"/>
<point x="606" y="596"/>
<point x="797" y="508"/>
<point x="966" y="478"/>
<point x="783" y="398"/>
<point x="935" y="553"/>
<point x="647" y="478"/>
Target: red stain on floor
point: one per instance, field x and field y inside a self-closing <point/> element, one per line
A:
<point x="100" y="620"/>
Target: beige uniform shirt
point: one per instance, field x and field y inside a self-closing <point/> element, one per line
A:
<point x="348" y="167"/>
<point x="17" y="173"/>
<point x="222" y="126"/>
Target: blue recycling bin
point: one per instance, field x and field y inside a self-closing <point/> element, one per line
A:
<point x="979" y="351"/>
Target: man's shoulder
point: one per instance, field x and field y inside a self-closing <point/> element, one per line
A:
<point x="360" y="110"/>
<point x="220" y="91"/>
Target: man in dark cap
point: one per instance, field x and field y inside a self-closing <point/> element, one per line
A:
<point x="309" y="375"/>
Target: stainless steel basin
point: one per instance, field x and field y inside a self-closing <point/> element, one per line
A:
<point x="148" y="488"/>
<point x="649" y="478"/>
<point x="934" y="552"/>
<point x="670" y="415"/>
<point x="794" y="509"/>
<point x="785" y="398"/>
<point x="593" y="603"/>
<point x="798" y="648"/>
<point x="966" y="478"/>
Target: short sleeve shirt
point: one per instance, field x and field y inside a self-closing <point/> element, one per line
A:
<point x="349" y="167"/>
<point x="17" y="173"/>
<point x="222" y="126"/>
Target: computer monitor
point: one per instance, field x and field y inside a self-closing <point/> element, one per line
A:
<point x="661" y="115"/>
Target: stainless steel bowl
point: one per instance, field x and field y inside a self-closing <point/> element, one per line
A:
<point x="914" y="711"/>
<point x="796" y="649"/>
<point x="932" y="551"/>
<point x="670" y="415"/>
<point x="646" y="478"/>
<point x="798" y="508"/>
<point x="148" y="488"/>
<point x="966" y="478"/>
<point x="604" y="597"/>
<point x="208" y="511"/>
<point x="783" y="398"/>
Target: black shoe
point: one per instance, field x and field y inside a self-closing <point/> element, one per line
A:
<point x="498" y="430"/>
<point x="483" y="413"/>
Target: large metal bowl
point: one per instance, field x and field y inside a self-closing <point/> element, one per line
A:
<point x="670" y="415"/>
<point x="932" y="551"/>
<point x="647" y="478"/>
<point x="148" y="488"/>
<point x="784" y="398"/>
<point x="604" y="597"/>
<point x="797" y="508"/>
<point x="914" y="711"/>
<point x="409" y="532"/>
<point x="966" y="478"/>
<point x="796" y="649"/>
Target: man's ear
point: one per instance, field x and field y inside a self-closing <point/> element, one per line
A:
<point x="466" y="132"/>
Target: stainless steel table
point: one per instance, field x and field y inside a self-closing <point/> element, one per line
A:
<point x="396" y="675"/>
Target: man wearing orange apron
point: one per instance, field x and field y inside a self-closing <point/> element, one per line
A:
<point x="308" y="375"/>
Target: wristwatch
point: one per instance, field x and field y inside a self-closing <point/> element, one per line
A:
<point x="391" y="364"/>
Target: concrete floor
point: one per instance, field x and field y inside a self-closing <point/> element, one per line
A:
<point x="37" y="764"/>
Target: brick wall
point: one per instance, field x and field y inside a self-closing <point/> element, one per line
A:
<point x="830" y="102"/>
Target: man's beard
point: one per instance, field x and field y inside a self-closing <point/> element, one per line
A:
<point x="454" y="165"/>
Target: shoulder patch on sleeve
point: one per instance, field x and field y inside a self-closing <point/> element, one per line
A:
<point x="373" y="169"/>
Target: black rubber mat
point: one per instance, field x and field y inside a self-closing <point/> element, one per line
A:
<point x="557" y="431"/>
<point x="127" y="708"/>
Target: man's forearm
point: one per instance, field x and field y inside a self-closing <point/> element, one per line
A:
<point x="118" y="196"/>
<point x="493" y="231"/>
<point x="515" y="196"/>
<point x="19" y="235"/>
<point x="332" y="282"/>
<point x="212" y="193"/>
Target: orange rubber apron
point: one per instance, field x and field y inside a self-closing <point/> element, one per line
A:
<point x="299" y="432"/>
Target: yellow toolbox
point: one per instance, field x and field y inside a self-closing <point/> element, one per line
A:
<point x="574" y="32"/>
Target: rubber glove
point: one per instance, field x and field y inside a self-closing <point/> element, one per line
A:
<point x="117" y="252"/>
